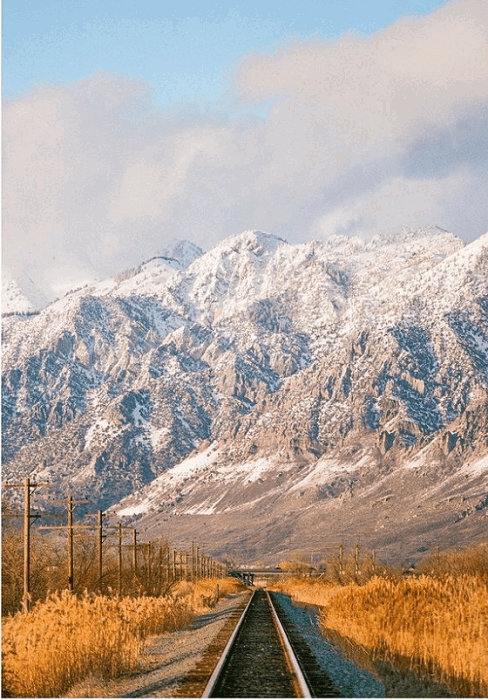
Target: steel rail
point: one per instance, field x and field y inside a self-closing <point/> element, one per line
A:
<point x="291" y="656"/>
<point x="295" y="669"/>
<point x="216" y="672"/>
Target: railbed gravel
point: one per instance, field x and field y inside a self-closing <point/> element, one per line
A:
<point x="350" y="681"/>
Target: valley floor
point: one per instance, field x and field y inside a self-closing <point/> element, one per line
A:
<point x="176" y="663"/>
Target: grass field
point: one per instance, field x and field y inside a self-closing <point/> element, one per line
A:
<point x="67" y="638"/>
<point x="431" y="625"/>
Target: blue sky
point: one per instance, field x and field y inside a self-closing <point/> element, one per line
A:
<point x="127" y="125"/>
<point x="186" y="51"/>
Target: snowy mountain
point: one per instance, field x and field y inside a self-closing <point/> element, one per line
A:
<point x="266" y="379"/>
<point x="21" y="294"/>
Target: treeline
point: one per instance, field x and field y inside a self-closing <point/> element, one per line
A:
<point x="472" y="561"/>
<point x="359" y="564"/>
<point x="9" y="314"/>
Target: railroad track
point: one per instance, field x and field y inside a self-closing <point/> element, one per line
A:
<point x="265" y="658"/>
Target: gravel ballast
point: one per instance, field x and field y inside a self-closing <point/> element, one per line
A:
<point x="351" y="681"/>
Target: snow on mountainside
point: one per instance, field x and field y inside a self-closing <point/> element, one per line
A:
<point x="23" y="295"/>
<point x="183" y="252"/>
<point x="291" y="376"/>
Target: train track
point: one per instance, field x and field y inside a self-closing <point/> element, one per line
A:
<point x="265" y="658"/>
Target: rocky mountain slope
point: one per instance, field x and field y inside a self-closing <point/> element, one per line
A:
<point x="283" y="381"/>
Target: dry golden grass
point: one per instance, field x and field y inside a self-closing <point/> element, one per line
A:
<point x="65" y="639"/>
<point x="440" y="621"/>
<point x="315" y="591"/>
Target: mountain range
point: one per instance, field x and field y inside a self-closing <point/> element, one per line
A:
<point x="265" y="398"/>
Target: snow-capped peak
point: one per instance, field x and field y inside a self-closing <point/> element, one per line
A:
<point x="21" y="295"/>
<point x="251" y="241"/>
<point x="183" y="251"/>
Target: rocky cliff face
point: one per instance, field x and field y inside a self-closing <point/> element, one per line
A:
<point x="370" y="354"/>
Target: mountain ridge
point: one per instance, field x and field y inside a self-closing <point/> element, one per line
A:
<point x="21" y="294"/>
<point x="365" y="353"/>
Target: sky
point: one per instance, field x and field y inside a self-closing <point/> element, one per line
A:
<point x="128" y="125"/>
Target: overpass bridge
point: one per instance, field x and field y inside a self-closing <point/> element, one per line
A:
<point x="259" y="576"/>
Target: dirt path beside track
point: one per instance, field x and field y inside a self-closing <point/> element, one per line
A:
<point x="175" y="663"/>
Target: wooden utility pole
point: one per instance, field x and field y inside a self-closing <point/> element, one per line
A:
<point x="149" y="588"/>
<point x="70" y="528"/>
<point x="100" y="540"/>
<point x="119" y="561"/>
<point x="28" y="516"/>
<point x="135" y="555"/>
<point x="70" y="544"/>
<point x="70" y="505"/>
<point x="160" y="571"/>
<point x="27" y="520"/>
<point x="100" y="550"/>
<point x="120" y="527"/>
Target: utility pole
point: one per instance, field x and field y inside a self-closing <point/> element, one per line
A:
<point x="150" y="586"/>
<point x="119" y="561"/>
<point x="70" y="504"/>
<point x="160" y="562"/>
<point x="70" y="544"/>
<point x="120" y="527"/>
<point x="100" y="550"/>
<point x="27" y="523"/>
<point x="135" y="555"/>
<point x="70" y="528"/>
<point x="101" y="537"/>
<point x="28" y="516"/>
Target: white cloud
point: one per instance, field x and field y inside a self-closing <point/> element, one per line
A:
<point x="398" y="200"/>
<point x="363" y="133"/>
